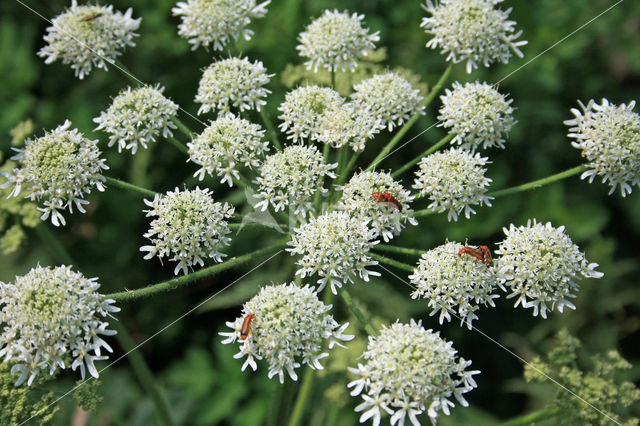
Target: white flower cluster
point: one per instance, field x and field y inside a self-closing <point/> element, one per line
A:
<point x="389" y="97"/>
<point x="454" y="284"/>
<point x="138" y="116"/>
<point x="289" y="327"/>
<point x="477" y="114"/>
<point x="472" y="30"/>
<point x="609" y="137"/>
<point x="335" y="40"/>
<point x="291" y="178"/>
<point x="346" y="124"/>
<point x="233" y="82"/>
<point x="453" y="180"/>
<point x="334" y="245"/>
<point x="409" y="370"/>
<point x="50" y="316"/>
<point x="206" y="22"/>
<point x="226" y="144"/>
<point x="302" y="109"/>
<point x="188" y="228"/>
<point x="385" y="219"/>
<point x="539" y="264"/>
<point x="88" y="36"/>
<point x="59" y="169"/>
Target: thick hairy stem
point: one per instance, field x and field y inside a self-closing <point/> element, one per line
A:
<point x="59" y="252"/>
<point x="391" y="262"/>
<point x="182" y="127"/>
<point x="346" y="296"/>
<point x="538" y="183"/>
<point x="303" y="396"/>
<point x="400" y="250"/>
<point x="181" y="147"/>
<point x="429" y="151"/>
<point x="205" y="272"/>
<point x="394" y="141"/>
<point x="532" y="418"/>
<point x="271" y="130"/>
<point x="143" y="373"/>
<point x="130" y="187"/>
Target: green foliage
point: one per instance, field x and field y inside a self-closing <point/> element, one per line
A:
<point x="88" y="395"/>
<point x="21" y="403"/>
<point x="602" y="385"/>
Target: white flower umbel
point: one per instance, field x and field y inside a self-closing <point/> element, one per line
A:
<point x="226" y="145"/>
<point x="88" y="36"/>
<point x="609" y="137"/>
<point x="206" y="22"/>
<point x="334" y="245"/>
<point x="188" y="228"/>
<point x="385" y="219"/>
<point x="335" y="40"/>
<point x="346" y="124"/>
<point x="51" y="316"/>
<point x="289" y="328"/>
<point x="233" y="82"/>
<point x="454" y="284"/>
<point x="453" y="180"/>
<point x="408" y="370"/>
<point x="477" y="114"/>
<point x="302" y="109"/>
<point x="389" y="97"/>
<point x="291" y="178"/>
<point x="137" y="117"/>
<point x="472" y="30"/>
<point x="540" y="265"/>
<point x="58" y="169"/>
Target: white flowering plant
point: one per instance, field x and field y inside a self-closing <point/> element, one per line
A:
<point x="345" y="238"/>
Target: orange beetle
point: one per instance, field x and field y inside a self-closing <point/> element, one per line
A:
<point x="92" y="16"/>
<point x="481" y="253"/>
<point x="385" y="197"/>
<point x="246" y="327"/>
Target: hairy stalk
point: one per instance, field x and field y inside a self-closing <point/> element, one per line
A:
<point x="394" y="141"/>
<point x="538" y="183"/>
<point x="143" y="373"/>
<point x="533" y="418"/>
<point x="182" y="127"/>
<point x="346" y="296"/>
<point x="270" y="129"/>
<point x="59" y="252"/>
<point x="343" y="176"/>
<point x="424" y="212"/>
<point x="181" y="147"/>
<point x="391" y="262"/>
<point x="130" y="187"/>
<point x="316" y="201"/>
<point x="429" y="151"/>
<point x="396" y="249"/>
<point x="333" y="79"/>
<point x="171" y="284"/>
<point x="256" y="225"/>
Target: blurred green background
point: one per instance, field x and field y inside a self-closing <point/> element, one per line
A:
<point x="203" y="383"/>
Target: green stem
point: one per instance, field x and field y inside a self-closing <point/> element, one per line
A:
<point x="181" y="147"/>
<point x="205" y="272"/>
<point x="255" y="225"/>
<point x="343" y="176"/>
<point x="538" y="183"/>
<point x="532" y="418"/>
<point x="182" y="127"/>
<point x="399" y="250"/>
<point x="423" y="213"/>
<point x="429" y="151"/>
<point x="391" y="262"/>
<point x="143" y="373"/>
<point x="325" y="154"/>
<point x="303" y="396"/>
<point x="333" y="79"/>
<point x="270" y="129"/>
<point x="58" y="249"/>
<point x="129" y="187"/>
<point x="346" y="296"/>
<point x="394" y="141"/>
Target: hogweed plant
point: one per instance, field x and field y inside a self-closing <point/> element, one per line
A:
<point x="336" y="214"/>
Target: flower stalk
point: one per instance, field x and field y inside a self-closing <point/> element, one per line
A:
<point x="346" y="296"/>
<point x="391" y="262"/>
<point x="429" y="151"/>
<point x="130" y="187"/>
<point x="399" y="250"/>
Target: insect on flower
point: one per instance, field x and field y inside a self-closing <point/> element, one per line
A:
<point x="92" y="16"/>
<point x="246" y="327"/>
<point x="481" y="253"/>
<point x="385" y="197"/>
